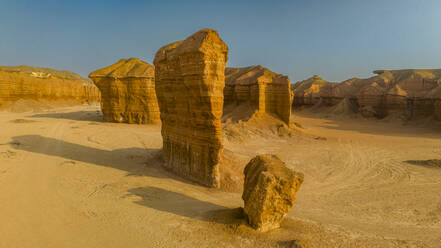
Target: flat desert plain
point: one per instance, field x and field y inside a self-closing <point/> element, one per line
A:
<point x="67" y="179"/>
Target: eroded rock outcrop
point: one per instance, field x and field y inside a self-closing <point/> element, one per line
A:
<point x="190" y="78"/>
<point x="307" y="92"/>
<point x="264" y="90"/>
<point x="128" y="92"/>
<point x="270" y="190"/>
<point x="371" y="100"/>
<point x="41" y="84"/>
<point x="403" y="93"/>
<point x="435" y="95"/>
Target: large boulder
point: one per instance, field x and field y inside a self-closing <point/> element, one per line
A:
<point x="270" y="189"/>
<point x="128" y="92"/>
<point x="26" y="83"/>
<point x="190" y="78"/>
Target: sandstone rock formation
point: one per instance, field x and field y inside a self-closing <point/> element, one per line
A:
<point x="331" y="94"/>
<point x="270" y="190"/>
<point x="307" y="92"/>
<point x="128" y="92"/>
<point x="189" y="84"/>
<point x="264" y="90"/>
<point x="435" y="95"/>
<point x="403" y="93"/>
<point x="371" y="100"/>
<point x="42" y="84"/>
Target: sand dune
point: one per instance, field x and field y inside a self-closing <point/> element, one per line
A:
<point x="69" y="180"/>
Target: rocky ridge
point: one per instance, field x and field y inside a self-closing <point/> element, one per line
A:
<point x="409" y="94"/>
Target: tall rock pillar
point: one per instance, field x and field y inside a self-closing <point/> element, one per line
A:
<point x="190" y="78"/>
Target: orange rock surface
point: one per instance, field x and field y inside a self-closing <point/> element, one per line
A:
<point x="42" y="84"/>
<point x="189" y="84"/>
<point x="265" y="90"/>
<point x="307" y="92"/>
<point x="270" y="189"/>
<point x="128" y="92"/>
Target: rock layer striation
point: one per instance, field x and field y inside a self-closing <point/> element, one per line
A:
<point x="270" y="190"/>
<point x="189" y="84"/>
<point x="264" y="90"/>
<point x="128" y="92"/>
<point x="42" y="84"/>
<point x="409" y="94"/>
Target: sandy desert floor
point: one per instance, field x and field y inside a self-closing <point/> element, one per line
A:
<point x="69" y="180"/>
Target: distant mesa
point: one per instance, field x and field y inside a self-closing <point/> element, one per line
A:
<point x="408" y="94"/>
<point x="190" y="78"/>
<point x="264" y="90"/>
<point x="128" y="92"/>
<point x="24" y="88"/>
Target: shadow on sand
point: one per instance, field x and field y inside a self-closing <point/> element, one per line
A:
<point x="431" y="163"/>
<point x="186" y="206"/>
<point x="136" y="161"/>
<point x="94" y="115"/>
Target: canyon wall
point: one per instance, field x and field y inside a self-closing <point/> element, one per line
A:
<point x="190" y="78"/>
<point x="409" y="94"/>
<point x="42" y="84"/>
<point x="128" y="92"/>
<point x="264" y="90"/>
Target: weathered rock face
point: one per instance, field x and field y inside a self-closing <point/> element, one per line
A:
<point x="437" y="109"/>
<point x="128" y="92"/>
<point x="265" y="90"/>
<point x="270" y="190"/>
<point x="332" y="94"/>
<point x="405" y="93"/>
<point x="372" y="97"/>
<point x="435" y="95"/>
<point x="307" y="92"/>
<point x="41" y="84"/>
<point x="189" y="84"/>
<point x="396" y="101"/>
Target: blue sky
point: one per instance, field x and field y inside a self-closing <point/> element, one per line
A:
<point x="336" y="39"/>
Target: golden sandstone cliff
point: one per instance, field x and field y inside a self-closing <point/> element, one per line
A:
<point x="264" y="90"/>
<point x="35" y="84"/>
<point x="128" y="92"/>
<point x="189" y="85"/>
<point x="409" y="94"/>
